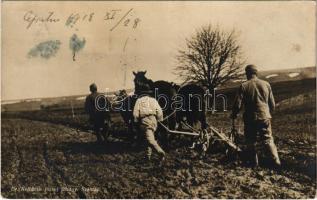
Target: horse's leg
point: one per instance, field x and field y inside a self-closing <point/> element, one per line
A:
<point x="179" y="118"/>
<point x="172" y="120"/>
<point x="131" y="133"/>
<point x="97" y="132"/>
<point x="203" y="118"/>
<point x="172" y="126"/>
<point x="105" y="130"/>
<point x="203" y="121"/>
<point x="161" y="136"/>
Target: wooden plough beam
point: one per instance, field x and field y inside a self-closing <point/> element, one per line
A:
<point x="178" y="132"/>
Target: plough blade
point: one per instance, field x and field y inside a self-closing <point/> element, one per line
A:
<point x="224" y="138"/>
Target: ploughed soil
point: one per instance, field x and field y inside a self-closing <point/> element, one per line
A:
<point x="51" y="160"/>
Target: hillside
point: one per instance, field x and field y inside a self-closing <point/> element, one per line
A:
<point x="280" y="75"/>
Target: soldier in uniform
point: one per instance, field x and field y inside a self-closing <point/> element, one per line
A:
<point x="146" y="113"/>
<point x="99" y="117"/>
<point x="257" y="98"/>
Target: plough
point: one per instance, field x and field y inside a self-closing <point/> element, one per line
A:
<point x="205" y="137"/>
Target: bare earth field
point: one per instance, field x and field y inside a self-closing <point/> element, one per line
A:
<point x="47" y="155"/>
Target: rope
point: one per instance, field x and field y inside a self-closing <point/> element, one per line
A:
<point x="177" y="132"/>
<point x="168" y="116"/>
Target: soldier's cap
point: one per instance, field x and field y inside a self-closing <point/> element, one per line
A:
<point x="93" y="87"/>
<point x="252" y="69"/>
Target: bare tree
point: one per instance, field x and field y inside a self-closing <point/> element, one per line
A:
<point x="211" y="58"/>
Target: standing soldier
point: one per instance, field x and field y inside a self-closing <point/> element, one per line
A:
<point x="257" y="98"/>
<point x="95" y="107"/>
<point x="146" y="113"/>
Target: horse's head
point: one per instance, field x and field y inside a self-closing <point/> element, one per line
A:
<point x="122" y="93"/>
<point x="139" y="77"/>
<point x="140" y="81"/>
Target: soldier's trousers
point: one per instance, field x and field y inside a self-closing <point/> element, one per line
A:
<point x="252" y="128"/>
<point x="152" y="143"/>
<point x="99" y="128"/>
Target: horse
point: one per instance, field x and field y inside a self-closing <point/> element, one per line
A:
<point x="190" y="97"/>
<point x="164" y="93"/>
<point x="193" y="106"/>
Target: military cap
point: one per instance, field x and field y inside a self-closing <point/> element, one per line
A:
<point x="93" y="87"/>
<point x="252" y="69"/>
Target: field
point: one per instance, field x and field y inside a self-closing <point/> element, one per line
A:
<point x="50" y="154"/>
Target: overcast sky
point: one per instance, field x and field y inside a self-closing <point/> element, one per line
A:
<point x="273" y="35"/>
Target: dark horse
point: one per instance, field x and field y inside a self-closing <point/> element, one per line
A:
<point x="191" y="97"/>
<point x="163" y="91"/>
<point x="193" y="107"/>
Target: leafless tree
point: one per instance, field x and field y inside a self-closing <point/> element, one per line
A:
<point x="211" y="57"/>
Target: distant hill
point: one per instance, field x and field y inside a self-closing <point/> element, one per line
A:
<point x="280" y="75"/>
<point x="51" y="103"/>
<point x="285" y="77"/>
<point x="288" y="74"/>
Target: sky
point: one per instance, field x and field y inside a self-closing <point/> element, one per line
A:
<point x="122" y="37"/>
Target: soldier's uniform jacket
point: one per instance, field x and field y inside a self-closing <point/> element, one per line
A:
<point x="90" y="103"/>
<point x="147" y="112"/>
<point x="95" y="115"/>
<point x="257" y="98"/>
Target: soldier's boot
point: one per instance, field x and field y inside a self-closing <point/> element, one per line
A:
<point x="273" y="154"/>
<point x="99" y="138"/>
<point x="161" y="153"/>
<point x="161" y="158"/>
<point x="105" y="135"/>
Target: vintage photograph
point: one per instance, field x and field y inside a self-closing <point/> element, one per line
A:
<point x="158" y="99"/>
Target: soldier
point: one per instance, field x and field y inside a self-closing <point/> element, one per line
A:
<point x="146" y="113"/>
<point x="257" y="98"/>
<point x="95" y="107"/>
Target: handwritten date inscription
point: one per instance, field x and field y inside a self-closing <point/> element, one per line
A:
<point x="123" y="19"/>
<point x="32" y="18"/>
<point x="111" y="18"/>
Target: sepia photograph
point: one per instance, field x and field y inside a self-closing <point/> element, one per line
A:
<point x="158" y="99"/>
